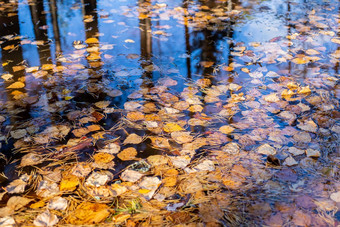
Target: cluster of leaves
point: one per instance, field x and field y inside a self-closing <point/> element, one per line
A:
<point x="215" y="144"/>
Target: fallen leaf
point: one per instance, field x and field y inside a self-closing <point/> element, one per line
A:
<point x="127" y="154"/>
<point x="58" y="203"/>
<point x="172" y="127"/>
<point x="182" y="137"/>
<point x="17" y="134"/>
<point x="135" y="116"/>
<point x="133" y="139"/>
<point x="46" y="219"/>
<point x="16" y="85"/>
<point x="103" y="157"/>
<point x="131" y="176"/>
<point x="69" y="183"/>
<point x="80" y="132"/>
<point x="226" y="129"/>
<point x="266" y="149"/>
<point x="92" y="41"/>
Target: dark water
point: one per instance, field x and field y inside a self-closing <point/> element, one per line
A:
<point x="143" y="41"/>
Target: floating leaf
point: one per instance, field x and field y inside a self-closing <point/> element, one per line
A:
<point x="172" y="127"/>
<point x="17" y="134"/>
<point x="92" y="41"/>
<point x="127" y="154"/>
<point x="135" y="116"/>
<point x="16" y="85"/>
<point x="226" y="129"/>
<point x="181" y="137"/>
<point x="103" y="157"/>
<point x="133" y="139"/>
<point x="80" y="132"/>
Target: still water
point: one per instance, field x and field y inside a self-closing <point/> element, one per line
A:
<point x="269" y="69"/>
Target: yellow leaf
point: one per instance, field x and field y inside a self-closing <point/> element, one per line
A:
<point x="127" y="154"/>
<point x="69" y="183"/>
<point x="226" y="129"/>
<point x="92" y="41"/>
<point x="47" y="67"/>
<point x="93" y="57"/>
<point x="169" y="181"/>
<point x="88" y="213"/>
<point x="37" y="205"/>
<point x="172" y="127"/>
<point x="300" y="60"/>
<point x="68" y="98"/>
<point x="9" y="47"/>
<point x="103" y="158"/>
<point x="16" y="85"/>
<point x="143" y="191"/>
<point x="18" y="68"/>
<point x="304" y="90"/>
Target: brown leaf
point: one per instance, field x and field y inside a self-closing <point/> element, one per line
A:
<point x="133" y="139"/>
<point x="88" y="213"/>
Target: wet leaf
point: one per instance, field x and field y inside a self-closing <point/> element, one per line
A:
<point x="46" y="219"/>
<point x="266" y="149"/>
<point x="80" y="132"/>
<point x="16" y="85"/>
<point x="133" y="139"/>
<point x="226" y="129"/>
<point x="88" y="213"/>
<point x="127" y="154"/>
<point x="17" y="134"/>
<point x="172" y="127"/>
<point x="135" y="116"/>
<point x="69" y="183"/>
<point x="103" y="158"/>
<point x="182" y="137"/>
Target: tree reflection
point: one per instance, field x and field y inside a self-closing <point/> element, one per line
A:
<point x="40" y="30"/>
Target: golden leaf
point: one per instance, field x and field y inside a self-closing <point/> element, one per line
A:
<point x="172" y="127"/>
<point x="103" y="157"/>
<point x="226" y="129"/>
<point x="47" y="67"/>
<point x="69" y="183"/>
<point x="88" y="213"/>
<point x="135" y="116"/>
<point x="16" y="85"/>
<point x="92" y="41"/>
<point x="300" y="60"/>
<point x="37" y="205"/>
<point x="127" y="154"/>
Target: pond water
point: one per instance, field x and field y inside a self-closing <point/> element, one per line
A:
<point x="250" y="86"/>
